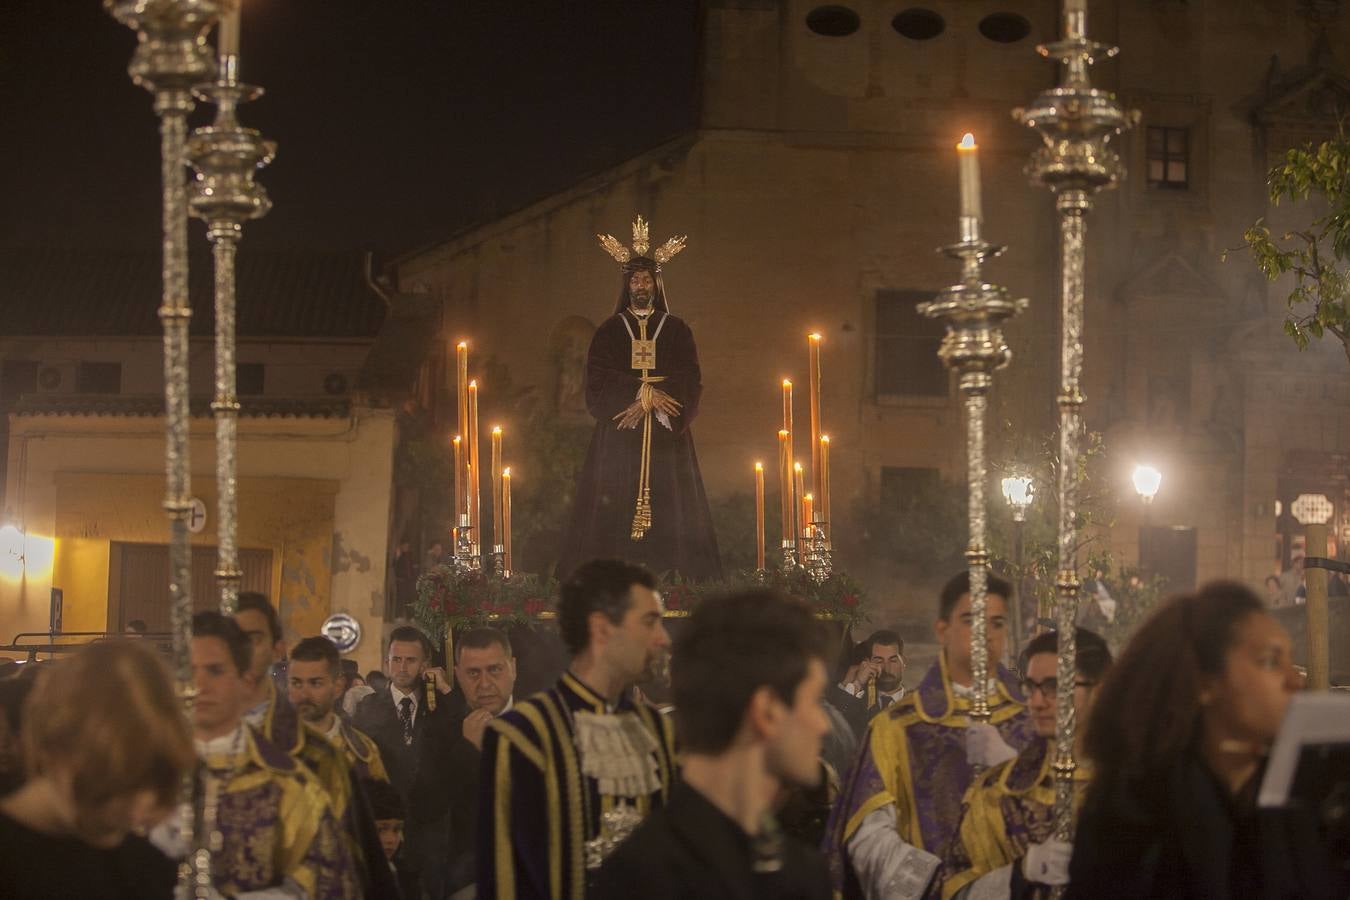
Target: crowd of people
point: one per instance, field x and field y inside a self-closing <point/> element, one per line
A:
<point x="769" y="765"/>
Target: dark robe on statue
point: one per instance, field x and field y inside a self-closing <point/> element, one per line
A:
<point x="681" y="538"/>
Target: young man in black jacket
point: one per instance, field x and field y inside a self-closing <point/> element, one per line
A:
<point x="748" y="674"/>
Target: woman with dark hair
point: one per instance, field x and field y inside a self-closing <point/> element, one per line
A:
<point x="1178" y="738"/>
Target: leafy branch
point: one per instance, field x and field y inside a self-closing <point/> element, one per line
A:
<point x="1315" y="255"/>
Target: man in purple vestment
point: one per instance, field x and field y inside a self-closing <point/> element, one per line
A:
<point x="1005" y="849"/>
<point x="900" y="806"/>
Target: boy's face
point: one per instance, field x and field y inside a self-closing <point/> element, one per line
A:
<point x="391" y="835"/>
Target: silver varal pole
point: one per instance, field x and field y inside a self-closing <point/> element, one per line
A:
<point x="974" y="348"/>
<point x="225" y="196"/>
<point x="1077" y="122"/>
<point x="170" y="58"/>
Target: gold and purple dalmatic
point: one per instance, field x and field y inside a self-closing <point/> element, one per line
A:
<point x="273" y="822"/>
<point x="914" y="756"/>
<point x="1010" y="807"/>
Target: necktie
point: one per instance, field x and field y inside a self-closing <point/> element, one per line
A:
<point x="405" y="715"/>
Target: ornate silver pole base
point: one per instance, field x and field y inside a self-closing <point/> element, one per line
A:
<point x="975" y="348"/>
<point x="789" y="550"/>
<point x="170" y="57"/>
<point x="225" y="196"/>
<point x="1076" y="123"/>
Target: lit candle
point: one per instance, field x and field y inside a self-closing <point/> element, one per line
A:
<point x="791" y="454"/>
<point x="799" y="481"/>
<point x="458" y="507"/>
<point x="496" y="487"/>
<point x="813" y="362"/>
<point x="785" y="488"/>
<point x="506" y="519"/>
<point x="1075" y="18"/>
<point x="823" y="506"/>
<point x="462" y="404"/>
<point x="759" y="516"/>
<point x="968" y="156"/>
<point x="228" y="40"/>
<point x="475" y="470"/>
<point x="808" y="516"/>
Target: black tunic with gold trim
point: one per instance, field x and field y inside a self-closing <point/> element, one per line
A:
<point x="540" y="810"/>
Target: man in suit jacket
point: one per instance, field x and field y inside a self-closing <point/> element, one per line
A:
<point x="400" y="719"/>
<point x="447" y="778"/>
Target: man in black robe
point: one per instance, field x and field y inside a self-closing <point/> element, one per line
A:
<point x="643" y="385"/>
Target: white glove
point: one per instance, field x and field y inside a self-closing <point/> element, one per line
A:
<point x="1048" y="863"/>
<point x="985" y="747"/>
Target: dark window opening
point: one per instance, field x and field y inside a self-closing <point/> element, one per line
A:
<point x="833" y="21"/>
<point x="17" y="377"/>
<point x="248" y="379"/>
<point x="919" y="24"/>
<point x="99" y="378"/>
<point x="1005" y="27"/>
<point x="903" y="488"/>
<point x="907" y="343"/>
<point x="1168" y="157"/>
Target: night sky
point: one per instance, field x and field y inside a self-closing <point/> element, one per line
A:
<point x="398" y="121"/>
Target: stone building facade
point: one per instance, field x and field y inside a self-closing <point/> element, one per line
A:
<point x="821" y="174"/>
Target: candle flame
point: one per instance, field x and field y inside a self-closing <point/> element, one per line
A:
<point x="967" y="142"/>
<point x="456" y="439"/>
<point x="809" y="497"/>
<point x="797" y="466"/>
<point x="787" y="383"/>
<point x="463" y="345"/>
<point x="496" y="429"/>
<point x="759" y="467"/>
<point x="813" y="336"/>
<point x="782" y="434"/>
<point x="473" y="385"/>
<point x="506" y="473"/>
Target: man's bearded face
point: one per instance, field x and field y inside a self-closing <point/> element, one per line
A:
<point x="641" y="289"/>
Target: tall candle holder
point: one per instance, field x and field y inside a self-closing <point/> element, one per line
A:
<point x="466" y="555"/>
<point x="171" y="56"/>
<point x="974" y="348"/>
<point x="226" y="196"/>
<point x="819" y="559"/>
<point x="1076" y="122"/>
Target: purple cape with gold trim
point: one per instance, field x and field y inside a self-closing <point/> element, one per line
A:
<point x="914" y="756"/>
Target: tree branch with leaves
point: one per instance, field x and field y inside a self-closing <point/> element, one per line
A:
<point x="1315" y="255"/>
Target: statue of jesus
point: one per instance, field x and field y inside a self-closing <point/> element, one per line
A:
<point x="640" y="495"/>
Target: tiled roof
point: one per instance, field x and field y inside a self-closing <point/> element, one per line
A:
<point x="63" y="292"/>
<point x="138" y="406"/>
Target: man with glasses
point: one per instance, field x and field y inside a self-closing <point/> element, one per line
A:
<point x="1006" y="846"/>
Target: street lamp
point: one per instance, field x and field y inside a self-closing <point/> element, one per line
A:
<point x="1146" y="480"/>
<point x="1018" y="491"/>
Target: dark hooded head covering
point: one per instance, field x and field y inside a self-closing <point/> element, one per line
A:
<point x="633" y="265"/>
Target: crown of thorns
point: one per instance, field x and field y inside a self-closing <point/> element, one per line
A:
<point x="641" y="245"/>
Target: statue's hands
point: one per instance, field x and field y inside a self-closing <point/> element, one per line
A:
<point x="664" y="403"/>
<point x="632" y="416"/>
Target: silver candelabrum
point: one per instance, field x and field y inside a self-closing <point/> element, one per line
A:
<point x="225" y="196"/>
<point x="819" y="559"/>
<point x="171" y="56"/>
<point x="1076" y="122"/>
<point x="974" y="348"/>
<point x="467" y="555"/>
